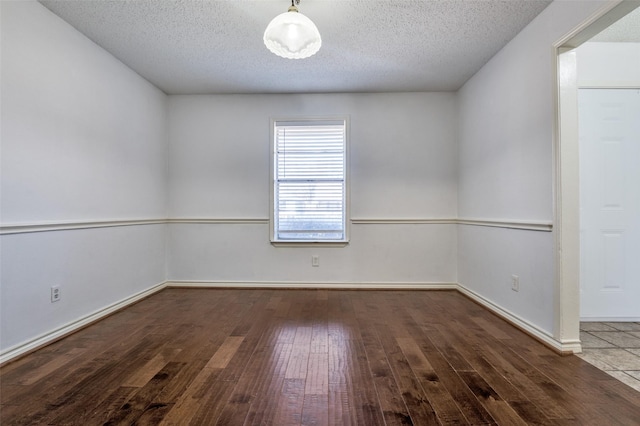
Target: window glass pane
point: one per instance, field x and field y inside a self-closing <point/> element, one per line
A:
<point x="309" y="181"/>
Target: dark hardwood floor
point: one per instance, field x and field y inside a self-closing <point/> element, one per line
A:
<point x="313" y="357"/>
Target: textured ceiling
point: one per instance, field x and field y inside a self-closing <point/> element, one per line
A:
<point x="626" y="29"/>
<point x="215" y="46"/>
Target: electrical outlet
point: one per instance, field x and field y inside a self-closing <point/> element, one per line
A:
<point x="515" y="283"/>
<point x="55" y="293"/>
<point x="315" y="260"/>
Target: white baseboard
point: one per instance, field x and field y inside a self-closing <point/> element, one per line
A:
<point x="563" y="347"/>
<point x="347" y="285"/>
<point x="53" y="335"/>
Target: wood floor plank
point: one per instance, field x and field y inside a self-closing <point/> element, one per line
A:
<point x="226" y="351"/>
<point x="103" y="376"/>
<point x="315" y="410"/>
<point x="108" y="408"/>
<point x="263" y="407"/>
<point x="213" y="397"/>
<point x="153" y="414"/>
<point x="361" y="385"/>
<point x="255" y="380"/>
<point x="143" y="399"/>
<point x="340" y="410"/>
<point x="232" y="391"/>
<point x="489" y="398"/>
<point x="149" y="370"/>
<point x="321" y="357"/>
<point x="65" y="379"/>
<point x="57" y="362"/>
<point x="460" y="392"/>
<point x="289" y="405"/>
<point x="320" y="337"/>
<point x="299" y="360"/>
<point x="322" y="294"/>
<point x="490" y="328"/>
<point x="393" y="407"/>
<point x="436" y="393"/>
<point x="185" y="407"/>
<point x="420" y="410"/>
<point x="528" y="384"/>
<point x="171" y="393"/>
<point x="489" y="369"/>
<point x="274" y="302"/>
<point x="317" y="380"/>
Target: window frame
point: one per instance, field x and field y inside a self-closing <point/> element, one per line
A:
<point x="274" y="121"/>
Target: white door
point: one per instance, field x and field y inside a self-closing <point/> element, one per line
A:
<point x="609" y="131"/>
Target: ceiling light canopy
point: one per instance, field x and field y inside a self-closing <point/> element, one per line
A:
<point x="292" y="35"/>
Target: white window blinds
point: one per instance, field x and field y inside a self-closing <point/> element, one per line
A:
<point x="309" y="181"/>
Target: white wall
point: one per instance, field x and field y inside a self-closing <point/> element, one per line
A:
<point x="506" y="168"/>
<point x="402" y="166"/>
<point x="83" y="140"/>
<point x="608" y="64"/>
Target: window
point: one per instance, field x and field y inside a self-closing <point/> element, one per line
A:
<point x="309" y="193"/>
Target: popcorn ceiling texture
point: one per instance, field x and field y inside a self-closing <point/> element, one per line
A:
<point x="626" y="30"/>
<point x="202" y="47"/>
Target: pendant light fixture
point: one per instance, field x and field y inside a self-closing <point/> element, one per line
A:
<point x="292" y="35"/>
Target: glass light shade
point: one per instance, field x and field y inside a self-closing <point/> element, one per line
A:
<point x="292" y="35"/>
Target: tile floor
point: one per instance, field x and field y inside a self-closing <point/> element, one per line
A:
<point x="613" y="347"/>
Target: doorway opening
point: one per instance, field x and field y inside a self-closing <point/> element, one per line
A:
<point x="567" y="172"/>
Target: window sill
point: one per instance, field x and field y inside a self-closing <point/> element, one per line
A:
<point x="341" y="243"/>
